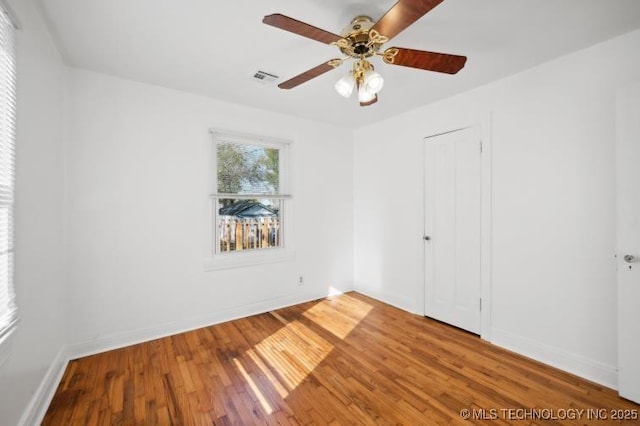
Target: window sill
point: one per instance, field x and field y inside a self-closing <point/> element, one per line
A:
<point x="240" y="260"/>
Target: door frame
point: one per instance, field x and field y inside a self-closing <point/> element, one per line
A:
<point x="486" y="204"/>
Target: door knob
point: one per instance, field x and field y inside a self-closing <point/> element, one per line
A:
<point x="629" y="258"/>
<point x="427" y="237"/>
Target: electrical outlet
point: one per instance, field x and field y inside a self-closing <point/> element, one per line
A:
<point x="300" y="280"/>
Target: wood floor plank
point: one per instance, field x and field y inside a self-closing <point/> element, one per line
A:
<point x="347" y="359"/>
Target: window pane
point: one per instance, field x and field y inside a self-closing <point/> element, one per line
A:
<point x="248" y="224"/>
<point x="247" y="169"/>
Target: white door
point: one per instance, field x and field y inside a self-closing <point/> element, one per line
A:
<point x="628" y="237"/>
<point x="452" y="228"/>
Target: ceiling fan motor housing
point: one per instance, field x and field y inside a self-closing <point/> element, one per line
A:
<point x="357" y="34"/>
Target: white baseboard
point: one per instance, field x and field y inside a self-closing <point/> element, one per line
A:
<point x="389" y="299"/>
<point x="37" y="408"/>
<point x="589" y="369"/>
<point x="127" y="338"/>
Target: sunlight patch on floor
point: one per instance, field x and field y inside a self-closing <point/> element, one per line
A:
<point x="293" y="352"/>
<point x="254" y="388"/>
<point x="339" y="316"/>
<point x="289" y="355"/>
<point x="268" y="374"/>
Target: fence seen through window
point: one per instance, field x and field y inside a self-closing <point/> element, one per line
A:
<point x="248" y="224"/>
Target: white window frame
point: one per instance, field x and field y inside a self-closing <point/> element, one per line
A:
<point x="214" y="259"/>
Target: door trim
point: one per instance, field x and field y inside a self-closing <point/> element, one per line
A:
<point x="486" y="204"/>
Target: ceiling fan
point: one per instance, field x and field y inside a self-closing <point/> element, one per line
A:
<point x="363" y="39"/>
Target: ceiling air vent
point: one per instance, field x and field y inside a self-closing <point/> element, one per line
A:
<point x="265" y="77"/>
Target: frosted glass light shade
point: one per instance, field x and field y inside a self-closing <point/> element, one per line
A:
<point x="345" y="85"/>
<point x="373" y="82"/>
<point x="364" y="96"/>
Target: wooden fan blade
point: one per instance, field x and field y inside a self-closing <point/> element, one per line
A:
<point x="371" y="102"/>
<point x="402" y="14"/>
<point x="430" y="61"/>
<point x="289" y="24"/>
<point x="308" y="75"/>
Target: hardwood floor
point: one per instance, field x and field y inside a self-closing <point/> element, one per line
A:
<point x="343" y="360"/>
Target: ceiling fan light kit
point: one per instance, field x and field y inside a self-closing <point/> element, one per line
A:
<point x="373" y="82"/>
<point x="363" y="76"/>
<point x="363" y="39"/>
<point x="345" y="85"/>
<point x="365" y="98"/>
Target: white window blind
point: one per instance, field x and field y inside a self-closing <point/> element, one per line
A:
<point x="8" y="310"/>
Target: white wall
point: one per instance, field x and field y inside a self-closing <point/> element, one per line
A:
<point x="136" y="173"/>
<point x="553" y="272"/>
<point x="39" y="244"/>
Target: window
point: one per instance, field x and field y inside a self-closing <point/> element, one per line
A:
<point x="248" y="199"/>
<point x="8" y="311"/>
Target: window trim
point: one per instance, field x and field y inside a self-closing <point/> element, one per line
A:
<point x="214" y="259"/>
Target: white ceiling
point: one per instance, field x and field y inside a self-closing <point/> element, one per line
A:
<point x="212" y="48"/>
